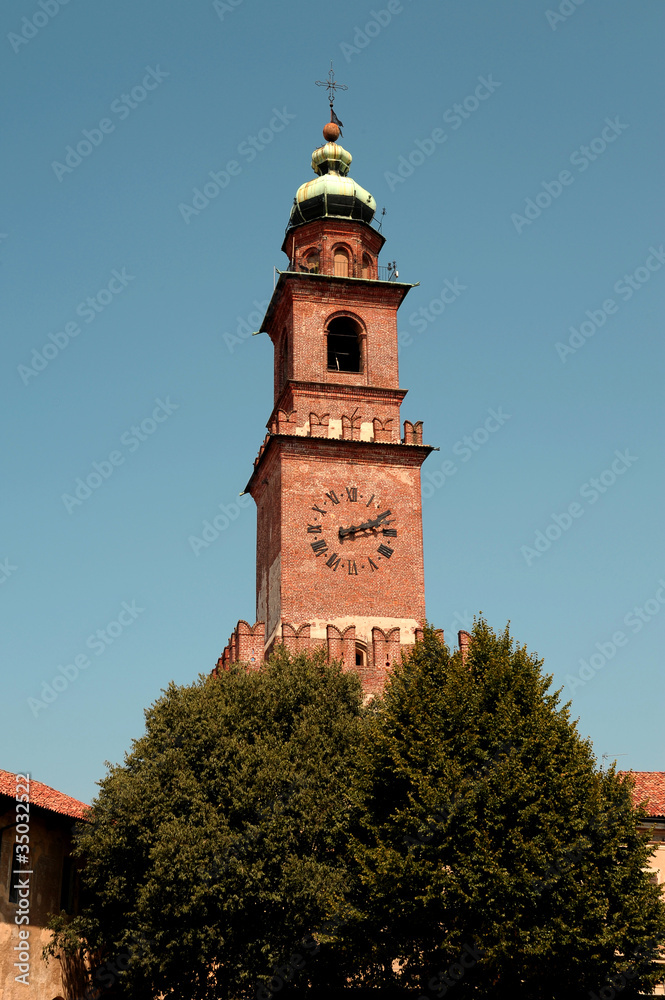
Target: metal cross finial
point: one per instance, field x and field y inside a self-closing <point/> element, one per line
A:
<point x="331" y="85"/>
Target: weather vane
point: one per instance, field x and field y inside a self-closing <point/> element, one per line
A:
<point x="332" y="86"/>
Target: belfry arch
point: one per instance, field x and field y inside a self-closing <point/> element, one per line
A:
<point x="344" y="344"/>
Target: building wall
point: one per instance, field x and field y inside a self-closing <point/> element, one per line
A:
<point x="656" y="830"/>
<point x="50" y="843"/>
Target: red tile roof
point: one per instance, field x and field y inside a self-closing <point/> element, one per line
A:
<point x="649" y="786"/>
<point x="42" y="795"/>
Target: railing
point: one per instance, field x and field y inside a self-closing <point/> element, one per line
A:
<point x="374" y="223"/>
<point x="387" y="272"/>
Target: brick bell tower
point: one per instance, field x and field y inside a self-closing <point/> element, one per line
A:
<point x="339" y="556"/>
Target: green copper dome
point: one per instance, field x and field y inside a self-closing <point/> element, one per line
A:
<point x="332" y="192"/>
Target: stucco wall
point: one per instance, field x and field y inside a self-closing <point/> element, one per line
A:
<point x="50" y="843"/>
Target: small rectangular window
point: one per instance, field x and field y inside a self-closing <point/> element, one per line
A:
<point x="14" y="876"/>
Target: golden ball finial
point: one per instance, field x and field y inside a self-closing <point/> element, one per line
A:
<point x="331" y="132"/>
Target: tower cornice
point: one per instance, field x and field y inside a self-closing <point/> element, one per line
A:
<point x="292" y="278"/>
<point x="325" y="448"/>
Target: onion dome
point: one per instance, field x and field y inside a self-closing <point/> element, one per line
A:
<point x="332" y="193"/>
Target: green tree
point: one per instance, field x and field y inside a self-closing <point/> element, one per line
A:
<point x="214" y="855"/>
<point x="490" y="854"/>
<point x="267" y="829"/>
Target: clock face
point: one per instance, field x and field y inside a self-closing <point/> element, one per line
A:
<point x="351" y="533"/>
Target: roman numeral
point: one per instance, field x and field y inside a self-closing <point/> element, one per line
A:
<point x="392" y="532"/>
<point x="373" y="564"/>
<point x="385" y="550"/>
<point x="319" y="510"/>
<point x="352" y="493"/>
<point x="320" y="546"/>
<point x="333" y="496"/>
<point x="353" y="569"/>
<point x="314" y="529"/>
<point x="334" y="561"/>
<point x="370" y="499"/>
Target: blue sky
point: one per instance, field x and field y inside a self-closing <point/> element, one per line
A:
<point x="517" y="150"/>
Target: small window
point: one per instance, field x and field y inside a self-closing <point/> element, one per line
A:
<point x="367" y="266"/>
<point x="343" y="345"/>
<point x="312" y="261"/>
<point x="14" y="875"/>
<point x="361" y="655"/>
<point x="341" y="262"/>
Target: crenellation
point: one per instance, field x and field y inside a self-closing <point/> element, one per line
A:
<point x="370" y="652"/>
<point x="319" y="425"/>
<point x="354" y="427"/>
<point x="413" y="433"/>
<point x="383" y="429"/>
<point x="464" y="641"/>
<point x="351" y="427"/>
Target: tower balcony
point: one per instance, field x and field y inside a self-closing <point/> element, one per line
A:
<point x="342" y="267"/>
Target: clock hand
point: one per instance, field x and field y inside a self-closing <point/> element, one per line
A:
<point x="343" y="532"/>
<point x="377" y="521"/>
<point x="380" y="518"/>
<point x="365" y="526"/>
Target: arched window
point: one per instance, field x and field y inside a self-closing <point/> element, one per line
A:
<point x="367" y="266"/>
<point x="312" y="261"/>
<point x="361" y="655"/>
<point x="343" y="345"/>
<point x="341" y="262"/>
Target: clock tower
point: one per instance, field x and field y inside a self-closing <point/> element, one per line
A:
<point x="339" y="556"/>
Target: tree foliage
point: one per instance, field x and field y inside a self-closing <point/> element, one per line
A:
<point x="269" y="829"/>
<point x="214" y="852"/>
<point x="485" y="825"/>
